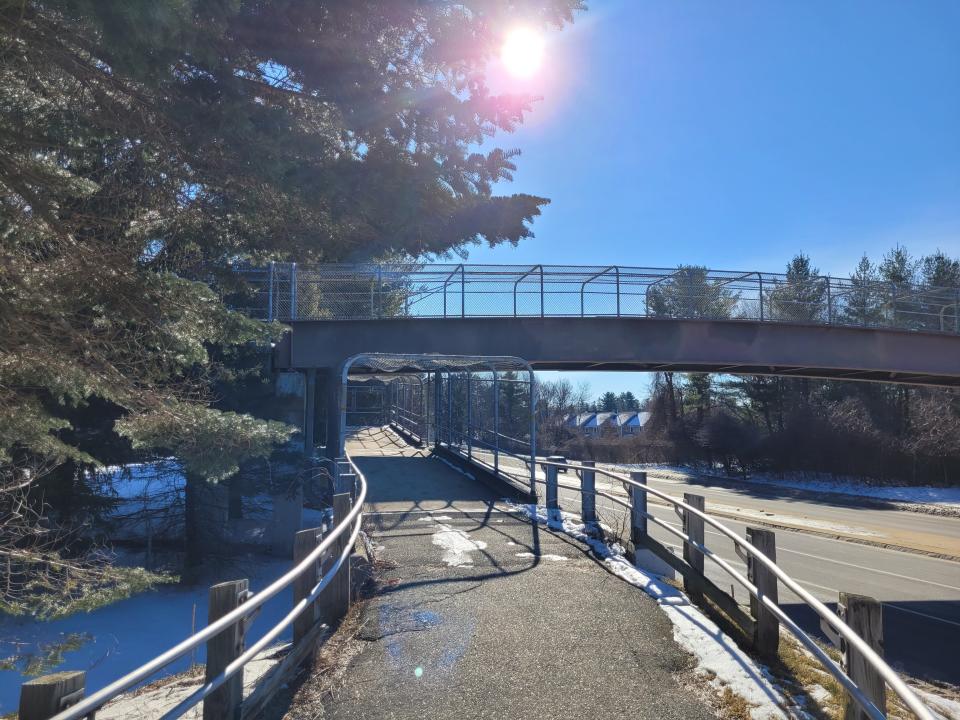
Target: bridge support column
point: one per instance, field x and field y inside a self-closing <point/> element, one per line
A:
<point x="332" y="389"/>
<point x="309" y="411"/>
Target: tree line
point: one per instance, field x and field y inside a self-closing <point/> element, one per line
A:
<point x="878" y="431"/>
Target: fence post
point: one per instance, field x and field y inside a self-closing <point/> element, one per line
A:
<point x="304" y="543"/>
<point x="638" y="511"/>
<point x="469" y="418"/>
<point x="588" y="486"/>
<point x="893" y="302"/>
<point x="293" y="291"/>
<point x="617" y="271"/>
<point x="334" y="601"/>
<point x="270" y="292"/>
<point x="553" y="501"/>
<point x="44" y="697"/>
<point x="541" y="292"/>
<point x="766" y="638"/>
<point x="347" y="483"/>
<point x="222" y="649"/>
<point x="864" y="615"/>
<point x="760" y="284"/>
<point x="693" y="528"/>
<point x="437" y="412"/>
<point x="496" y="424"/>
<point x="309" y="410"/>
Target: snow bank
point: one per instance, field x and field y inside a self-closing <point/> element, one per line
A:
<point x="718" y="658"/>
<point x="944" y="708"/>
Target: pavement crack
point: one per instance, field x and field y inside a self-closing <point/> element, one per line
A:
<point x="447" y="596"/>
<point x="370" y="637"/>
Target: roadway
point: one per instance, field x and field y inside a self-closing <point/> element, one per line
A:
<point x="821" y="544"/>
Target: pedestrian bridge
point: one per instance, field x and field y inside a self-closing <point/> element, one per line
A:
<point x="616" y="318"/>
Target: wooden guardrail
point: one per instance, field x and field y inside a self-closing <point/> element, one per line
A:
<point x="321" y="598"/>
<point x="857" y="628"/>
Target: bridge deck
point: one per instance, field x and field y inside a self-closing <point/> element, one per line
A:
<point x="484" y="615"/>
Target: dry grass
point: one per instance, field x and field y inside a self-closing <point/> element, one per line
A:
<point x="324" y="677"/>
<point x="799" y="672"/>
<point x="799" y="669"/>
<point x="732" y="706"/>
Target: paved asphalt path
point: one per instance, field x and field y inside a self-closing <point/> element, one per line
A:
<point x="920" y="593"/>
<point x="485" y="615"/>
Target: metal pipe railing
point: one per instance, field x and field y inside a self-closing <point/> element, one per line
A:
<point x="352" y="520"/>
<point x="329" y="292"/>
<point x="893" y="680"/>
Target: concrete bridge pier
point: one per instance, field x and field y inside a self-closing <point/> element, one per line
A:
<point x="321" y="421"/>
<point x="331" y="383"/>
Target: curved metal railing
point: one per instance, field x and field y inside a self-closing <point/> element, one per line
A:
<point x="291" y="291"/>
<point x="894" y="681"/>
<point x="350" y="522"/>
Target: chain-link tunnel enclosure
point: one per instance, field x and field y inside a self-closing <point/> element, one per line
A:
<point x="482" y="408"/>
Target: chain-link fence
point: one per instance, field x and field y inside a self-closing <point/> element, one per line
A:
<point x="287" y="291"/>
<point x="366" y="403"/>
<point x="480" y="407"/>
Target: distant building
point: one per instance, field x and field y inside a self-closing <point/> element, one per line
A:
<point x="595" y="424"/>
<point x="631" y="423"/>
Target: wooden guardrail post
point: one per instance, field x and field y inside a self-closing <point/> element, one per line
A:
<point x="347" y="483"/>
<point x="222" y="649"/>
<point x="638" y="505"/>
<point x="43" y="697"/>
<point x="304" y="543"/>
<point x="693" y="529"/>
<point x="553" y="499"/>
<point x="334" y="601"/>
<point x="588" y="489"/>
<point x="864" y="615"/>
<point x="766" y="635"/>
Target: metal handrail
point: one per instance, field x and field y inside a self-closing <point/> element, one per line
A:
<point x="870" y="656"/>
<point x="254" y="602"/>
<point x="520" y="279"/>
<point x="913" y="307"/>
<point x="590" y="279"/>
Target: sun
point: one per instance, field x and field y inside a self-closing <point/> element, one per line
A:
<point x="522" y="52"/>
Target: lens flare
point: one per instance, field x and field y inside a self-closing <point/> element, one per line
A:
<point x="522" y="52"/>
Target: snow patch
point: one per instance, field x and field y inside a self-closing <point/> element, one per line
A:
<point x="942" y="707"/>
<point x="432" y="518"/>
<point x="718" y="658"/>
<point x="457" y="545"/>
<point x="819" y="694"/>
<point x="545" y="556"/>
<point x="454" y="467"/>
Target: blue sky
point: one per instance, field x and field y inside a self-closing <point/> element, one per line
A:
<point x="736" y="133"/>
